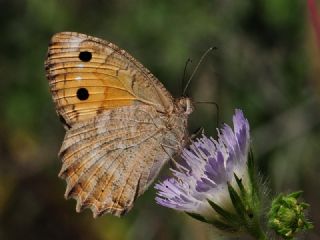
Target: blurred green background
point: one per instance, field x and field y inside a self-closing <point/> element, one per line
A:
<point x="267" y="64"/>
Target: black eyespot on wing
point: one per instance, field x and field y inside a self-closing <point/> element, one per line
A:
<point x="82" y="94"/>
<point x="85" y="56"/>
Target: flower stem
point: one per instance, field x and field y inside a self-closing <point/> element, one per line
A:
<point x="256" y="231"/>
<point x="259" y="235"/>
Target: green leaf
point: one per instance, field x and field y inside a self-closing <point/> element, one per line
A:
<point x="240" y="185"/>
<point x="251" y="167"/>
<point x="229" y="217"/>
<point x="237" y="201"/>
<point x="198" y="217"/>
<point x="296" y="194"/>
<point x="253" y="177"/>
<point x="304" y="205"/>
<point x="224" y="227"/>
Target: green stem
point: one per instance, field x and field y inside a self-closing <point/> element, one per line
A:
<point x="260" y="235"/>
<point x="256" y="231"/>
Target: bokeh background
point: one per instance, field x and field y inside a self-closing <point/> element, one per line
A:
<point x="267" y="63"/>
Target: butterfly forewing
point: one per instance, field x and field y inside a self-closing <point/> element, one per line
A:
<point x="87" y="75"/>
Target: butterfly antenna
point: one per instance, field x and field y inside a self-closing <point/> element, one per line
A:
<point x="185" y="72"/>
<point x="216" y="106"/>
<point x="196" y="68"/>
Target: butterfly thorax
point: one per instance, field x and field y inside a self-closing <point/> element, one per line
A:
<point x="177" y="122"/>
<point x="184" y="106"/>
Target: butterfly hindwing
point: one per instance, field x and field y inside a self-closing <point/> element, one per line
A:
<point x="107" y="161"/>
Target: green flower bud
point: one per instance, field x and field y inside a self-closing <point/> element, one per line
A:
<point x="287" y="217"/>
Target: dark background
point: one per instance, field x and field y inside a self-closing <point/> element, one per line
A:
<point x="267" y="64"/>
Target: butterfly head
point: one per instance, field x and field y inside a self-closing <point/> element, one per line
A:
<point x="184" y="105"/>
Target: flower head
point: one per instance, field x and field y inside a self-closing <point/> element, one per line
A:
<point x="216" y="183"/>
<point x="287" y="215"/>
<point x="210" y="168"/>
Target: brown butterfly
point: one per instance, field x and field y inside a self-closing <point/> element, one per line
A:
<point x="122" y="125"/>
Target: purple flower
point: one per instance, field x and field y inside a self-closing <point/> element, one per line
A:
<point x="209" y="165"/>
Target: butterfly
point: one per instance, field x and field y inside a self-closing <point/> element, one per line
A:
<point x="122" y="125"/>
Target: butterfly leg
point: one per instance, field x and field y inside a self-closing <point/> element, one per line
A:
<point x="176" y="164"/>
